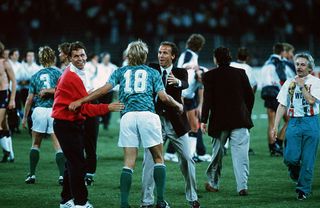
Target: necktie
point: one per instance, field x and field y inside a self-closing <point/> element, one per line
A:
<point x="164" y="77"/>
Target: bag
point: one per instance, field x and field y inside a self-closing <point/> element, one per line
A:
<point x="269" y="92"/>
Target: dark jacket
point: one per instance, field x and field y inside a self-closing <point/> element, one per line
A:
<point x="228" y="99"/>
<point x="179" y="122"/>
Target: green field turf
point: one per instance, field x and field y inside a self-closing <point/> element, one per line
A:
<point x="269" y="184"/>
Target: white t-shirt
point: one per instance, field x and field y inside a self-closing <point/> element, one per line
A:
<point x="188" y="58"/>
<point x="291" y="96"/>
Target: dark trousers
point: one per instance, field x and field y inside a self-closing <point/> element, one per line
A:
<point x="91" y="126"/>
<point x="71" y="138"/>
<point x="106" y="99"/>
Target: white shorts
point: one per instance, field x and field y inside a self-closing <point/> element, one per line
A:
<point x="140" y="127"/>
<point x="42" y="122"/>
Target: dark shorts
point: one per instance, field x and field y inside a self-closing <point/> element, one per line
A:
<point x="189" y="104"/>
<point x="4" y="98"/>
<point x="271" y="103"/>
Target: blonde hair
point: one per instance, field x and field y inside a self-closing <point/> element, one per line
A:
<point x="137" y="52"/>
<point x="47" y="56"/>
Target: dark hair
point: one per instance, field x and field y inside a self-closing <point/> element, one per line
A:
<point x="28" y="51"/>
<point x="64" y="47"/>
<point x="195" y="42"/>
<point x="174" y="49"/>
<point x="278" y="48"/>
<point x="243" y="54"/>
<point x="12" y="51"/>
<point x="76" y="46"/>
<point x="222" y="55"/>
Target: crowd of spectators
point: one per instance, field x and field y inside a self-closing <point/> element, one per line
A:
<point x="108" y="20"/>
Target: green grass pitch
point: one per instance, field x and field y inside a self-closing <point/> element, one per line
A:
<point x="269" y="184"/>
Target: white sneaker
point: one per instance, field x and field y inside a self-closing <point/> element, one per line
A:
<point x="205" y="158"/>
<point x="170" y="157"/>
<point x="68" y="204"/>
<point x="87" y="205"/>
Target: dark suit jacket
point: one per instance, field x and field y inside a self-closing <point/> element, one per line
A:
<point x="228" y="99"/>
<point x="179" y="122"/>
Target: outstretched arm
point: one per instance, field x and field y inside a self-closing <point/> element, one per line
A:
<point x="168" y="100"/>
<point x="92" y="96"/>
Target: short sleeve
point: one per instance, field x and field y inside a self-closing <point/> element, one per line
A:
<point x="283" y="94"/>
<point x="114" y="78"/>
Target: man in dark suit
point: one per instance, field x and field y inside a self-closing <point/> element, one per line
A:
<point x="174" y="127"/>
<point x="228" y="99"/>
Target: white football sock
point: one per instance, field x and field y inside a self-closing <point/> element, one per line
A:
<point x="5" y="144"/>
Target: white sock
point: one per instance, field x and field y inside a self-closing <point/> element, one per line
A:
<point x="193" y="145"/>
<point x="4" y="144"/>
<point x="11" y="157"/>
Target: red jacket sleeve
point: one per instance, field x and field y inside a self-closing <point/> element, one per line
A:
<point x="92" y="110"/>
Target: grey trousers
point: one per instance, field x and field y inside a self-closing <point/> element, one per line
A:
<point x="239" y="145"/>
<point x="187" y="165"/>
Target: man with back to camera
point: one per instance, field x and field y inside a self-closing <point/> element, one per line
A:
<point x="235" y="102"/>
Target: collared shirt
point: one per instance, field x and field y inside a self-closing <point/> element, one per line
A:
<point x="291" y="96"/>
<point x="169" y="69"/>
<point x="83" y="76"/>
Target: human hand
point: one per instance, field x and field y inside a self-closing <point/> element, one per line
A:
<point x="42" y="93"/>
<point x="180" y="108"/>
<point x="24" y="122"/>
<point x="204" y="128"/>
<point x="116" y="106"/>
<point x="74" y="105"/>
<point x="12" y="104"/>
<point x="172" y="80"/>
<point x="300" y="81"/>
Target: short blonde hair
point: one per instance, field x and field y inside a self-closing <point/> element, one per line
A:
<point x="47" y="56"/>
<point x="137" y="52"/>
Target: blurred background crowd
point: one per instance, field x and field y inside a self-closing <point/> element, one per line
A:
<point x="108" y="25"/>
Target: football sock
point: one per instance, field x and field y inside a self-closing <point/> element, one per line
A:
<point x="193" y="142"/>
<point x="201" y="149"/>
<point x="34" y="159"/>
<point x="271" y="147"/>
<point x="4" y="141"/>
<point x="9" y="141"/>
<point x="125" y="185"/>
<point x="60" y="160"/>
<point x="159" y="175"/>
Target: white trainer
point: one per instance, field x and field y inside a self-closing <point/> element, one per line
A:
<point x="87" y="205"/>
<point x="205" y="158"/>
<point x="68" y="204"/>
<point x="170" y="157"/>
